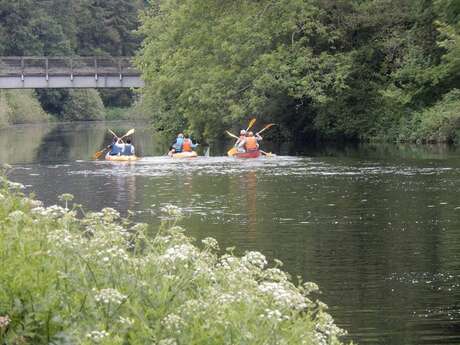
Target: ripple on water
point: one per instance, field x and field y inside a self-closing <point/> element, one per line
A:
<point x="275" y="166"/>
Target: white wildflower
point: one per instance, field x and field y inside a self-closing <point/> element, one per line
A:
<point x="182" y="252"/>
<point x="15" y="185"/>
<point x="167" y="341"/>
<point x="172" y="322"/>
<point x="211" y="243"/>
<point x="35" y="203"/>
<point x="255" y="259"/>
<point x="109" y="214"/>
<point x="172" y="211"/>
<point x="283" y="295"/>
<point x="126" y="321"/>
<point x="274" y="315"/>
<point x="4" y="321"/>
<point x="310" y="287"/>
<point x="16" y="216"/>
<point x="97" y="336"/>
<point x="109" y="295"/>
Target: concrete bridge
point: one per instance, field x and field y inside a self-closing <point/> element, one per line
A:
<point x="32" y="72"/>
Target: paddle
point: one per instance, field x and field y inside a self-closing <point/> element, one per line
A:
<point x="99" y="153"/>
<point x="233" y="151"/>
<point x="266" y="127"/>
<point x="251" y="123"/>
<point x="268" y="154"/>
<point x="232" y="135"/>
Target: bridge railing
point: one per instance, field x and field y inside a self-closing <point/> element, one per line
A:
<point x="68" y="66"/>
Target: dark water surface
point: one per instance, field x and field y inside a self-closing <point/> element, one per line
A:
<point x="377" y="227"/>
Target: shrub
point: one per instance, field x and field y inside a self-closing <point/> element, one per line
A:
<point x="439" y="123"/>
<point x="83" y="105"/>
<point x="101" y="279"/>
<point x="20" y="106"/>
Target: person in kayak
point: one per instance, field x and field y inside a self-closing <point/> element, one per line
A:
<point x="187" y="144"/>
<point x="176" y="147"/>
<point x="240" y="140"/>
<point x="117" y="147"/>
<point x="251" y="142"/>
<point x="128" y="148"/>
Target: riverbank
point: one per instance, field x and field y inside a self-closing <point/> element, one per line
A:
<point x="18" y="107"/>
<point x="94" y="277"/>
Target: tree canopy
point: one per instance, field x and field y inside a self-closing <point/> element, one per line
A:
<point x="321" y="68"/>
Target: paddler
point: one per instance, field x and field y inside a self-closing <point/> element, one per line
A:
<point x="240" y="140"/>
<point x="187" y="144"/>
<point x="117" y="147"/>
<point x="176" y="147"/>
<point x="128" y="149"/>
<point x="251" y="142"/>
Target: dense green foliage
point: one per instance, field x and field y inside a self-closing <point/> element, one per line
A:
<point x="99" y="279"/>
<point x="331" y="69"/>
<point x="84" y="105"/>
<point x="18" y="107"/>
<point x="66" y="28"/>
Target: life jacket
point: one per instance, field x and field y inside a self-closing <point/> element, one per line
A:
<point x="115" y="149"/>
<point x="187" y="145"/>
<point x="178" y="144"/>
<point x="251" y="144"/>
<point x="127" y="150"/>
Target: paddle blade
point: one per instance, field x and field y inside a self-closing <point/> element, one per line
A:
<point x="113" y="133"/>
<point x="233" y="151"/>
<point x="98" y="154"/>
<point x="130" y="132"/>
<point x="266" y="127"/>
<point x="251" y="123"/>
<point x="231" y="134"/>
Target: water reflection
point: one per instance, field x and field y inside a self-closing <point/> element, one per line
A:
<point x="375" y="226"/>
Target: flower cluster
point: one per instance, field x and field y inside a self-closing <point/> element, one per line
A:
<point x="178" y="253"/>
<point x="210" y="243"/>
<point x="274" y="315"/>
<point x="4" y="321"/>
<point x="16" y="216"/>
<point x="97" y="336"/>
<point x="109" y="295"/>
<point x="178" y="293"/>
<point x="255" y="259"/>
<point x="172" y="322"/>
<point x="283" y="295"/>
<point x="53" y="211"/>
<point x="172" y="211"/>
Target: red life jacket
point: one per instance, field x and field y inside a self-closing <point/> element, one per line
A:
<point x="251" y="144"/>
<point x="187" y="145"/>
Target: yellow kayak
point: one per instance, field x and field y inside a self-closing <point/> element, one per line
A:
<point x="191" y="154"/>
<point x="121" y="158"/>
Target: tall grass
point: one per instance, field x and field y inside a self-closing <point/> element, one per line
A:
<point x="97" y="278"/>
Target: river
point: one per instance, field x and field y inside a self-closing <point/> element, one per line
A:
<point x="376" y="226"/>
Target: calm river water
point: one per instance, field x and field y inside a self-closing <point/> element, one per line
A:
<point x="377" y="227"/>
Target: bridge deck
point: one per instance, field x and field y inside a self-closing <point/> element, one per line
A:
<point x="68" y="72"/>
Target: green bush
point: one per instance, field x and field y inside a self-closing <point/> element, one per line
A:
<point x="20" y="106"/>
<point x="83" y="105"/>
<point x="439" y="123"/>
<point x="101" y="279"/>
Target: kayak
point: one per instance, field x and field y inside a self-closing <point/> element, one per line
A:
<point x="191" y="154"/>
<point x="251" y="154"/>
<point x="121" y="158"/>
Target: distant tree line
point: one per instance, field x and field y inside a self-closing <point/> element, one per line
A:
<point x="322" y="69"/>
<point x="67" y="28"/>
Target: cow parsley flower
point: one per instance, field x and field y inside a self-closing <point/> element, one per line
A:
<point x="109" y="295"/>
